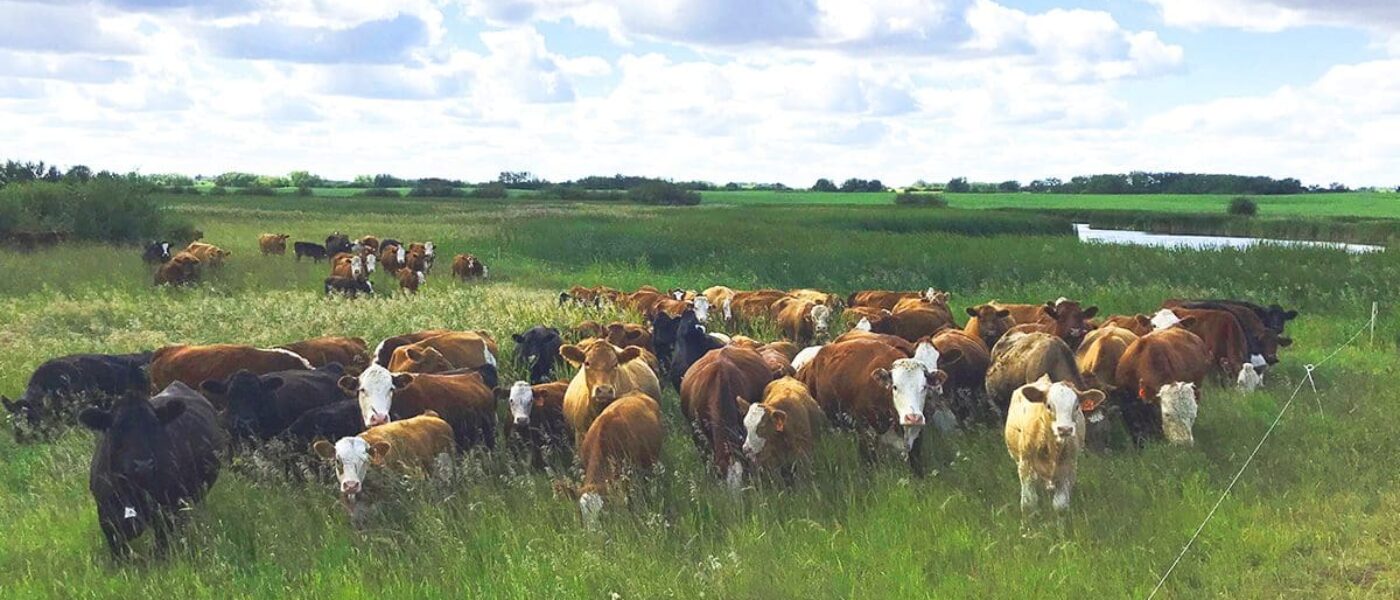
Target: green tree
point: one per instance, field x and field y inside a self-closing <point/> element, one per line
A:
<point x="823" y="185"/>
<point x="959" y="185"/>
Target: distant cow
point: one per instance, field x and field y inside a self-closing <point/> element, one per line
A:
<point x="1263" y="340"/>
<point x="464" y="401"/>
<point x="883" y="299"/>
<point x="338" y="242"/>
<point x="1021" y="358"/>
<point x="824" y="298"/>
<point x="209" y="255"/>
<point x="605" y="373"/>
<point x="710" y="396"/>
<point x="1045" y="433"/>
<point x="411" y="446"/>
<point x="537" y="419"/>
<point x="626" y="435"/>
<point x="350" y="352"/>
<point x="273" y="243"/>
<point x="629" y="334"/>
<point x="156" y="252"/>
<point x="316" y="252"/>
<point x="261" y="406"/>
<point x="748" y="306"/>
<point x="1273" y="317"/>
<point x="466" y="266"/>
<point x="348" y="266"/>
<point x="193" y="364"/>
<point x="538" y="347"/>
<point x="182" y="269"/>
<point x="781" y="431"/>
<point x="155" y="457"/>
<point x="61" y="387"/>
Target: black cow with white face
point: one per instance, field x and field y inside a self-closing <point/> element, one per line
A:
<point x="261" y="406"/>
<point x="156" y="252"/>
<point x="154" y="457"/>
<point x="338" y="242"/>
<point x="538" y="347"/>
<point x="63" y="386"/>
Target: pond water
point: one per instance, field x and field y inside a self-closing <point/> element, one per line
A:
<point x="1169" y="240"/>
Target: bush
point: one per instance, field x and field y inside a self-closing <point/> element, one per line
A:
<point x="304" y="191"/>
<point x="913" y="199"/>
<point x="100" y="210"/>
<point x="490" y="190"/>
<point x="1243" y="206"/>
<point x="378" y="192"/>
<point x="664" y="193"/>
<point x="575" y="193"/>
<point x="435" y="188"/>
<point x="218" y="190"/>
<point x="257" y="190"/>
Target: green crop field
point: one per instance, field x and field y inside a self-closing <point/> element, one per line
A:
<point x="1317" y="515"/>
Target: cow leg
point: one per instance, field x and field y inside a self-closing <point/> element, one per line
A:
<point x="1029" y="494"/>
<point x="116" y="542"/>
<point x="488" y="433"/>
<point x="162" y="524"/>
<point x="1060" y="500"/>
<point x="916" y="457"/>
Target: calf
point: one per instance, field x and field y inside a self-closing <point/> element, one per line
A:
<point x="156" y="252"/>
<point x="465" y="401"/>
<point x="194" y="365"/>
<point x="273" y="243"/>
<point x="62" y="387"/>
<point x="411" y="446"/>
<point x="315" y="252"/>
<point x="261" y="406"/>
<point x="182" y="269"/>
<point x="803" y="321"/>
<point x="692" y="342"/>
<point x="538" y="347"/>
<point x="350" y="352"/>
<point x="781" y="432"/>
<point x="466" y="266"/>
<point x="626" y="435"/>
<point x="710" y="403"/>
<point x="537" y="419"/>
<point x="1044" y="435"/>
<point x="350" y="287"/>
<point x="605" y="373"/>
<point x="410" y="281"/>
<point x="988" y="323"/>
<point x="155" y="456"/>
<point x="209" y="255"/>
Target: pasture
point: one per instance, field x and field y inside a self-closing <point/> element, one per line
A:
<point x="1316" y="515"/>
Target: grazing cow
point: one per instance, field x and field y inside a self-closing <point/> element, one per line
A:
<point x="965" y="359"/>
<point x="464" y="400"/>
<point x="626" y="435"/>
<point x="605" y="373"/>
<point x="709" y="402"/>
<point x="329" y="422"/>
<point x="338" y="242"/>
<point x="1099" y="354"/>
<point x="1222" y="334"/>
<point x="193" y="365"/>
<point x="350" y="287"/>
<point x="261" y="406"/>
<point x="392" y="256"/>
<point x="156" y="252"/>
<point x="988" y="323"/>
<point x="538" y="347"/>
<point x="912" y="324"/>
<point x="410" y="281"/>
<point x="1140" y="325"/>
<point x="1045" y="433"/>
<point x="384" y="352"/>
<point x="803" y="321"/>
<point x="883" y="299"/>
<point x="1263" y="341"/>
<point x="1150" y="366"/>
<point x="466" y="266"/>
<point x="878" y="390"/>
<point x="182" y="269"/>
<point x="370" y="242"/>
<point x="537" y="419"/>
<point x="411" y="446"/>
<point x="273" y="243"/>
<point x="692" y="342"/>
<point x="462" y="349"/>
<point x="350" y="352"/>
<point x="209" y="255"/>
<point x="316" y="252"/>
<point x="1021" y="358"/>
<point x="155" y="456"/>
<point x="61" y="387"/>
<point x="781" y="432"/>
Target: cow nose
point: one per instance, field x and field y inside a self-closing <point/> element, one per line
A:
<point x="350" y="487"/>
<point x="1064" y="430"/>
<point x="604" y="392"/>
<point x="913" y="419"/>
<point x="522" y="421"/>
<point x="378" y="419"/>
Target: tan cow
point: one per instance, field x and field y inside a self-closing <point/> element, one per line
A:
<point x="181" y="269"/>
<point x="988" y="323"/>
<point x="273" y="243"/>
<point x="627" y="434"/>
<point x="781" y="432"/>
<point x="803" y="321"/>
<point x="1044" y="435"/>
<point x="461" y="349"/>
<point x="605" y="373"/>
<point x="408" y="447"/>
<point x="1098" y="356"/>
<point x="209" y="255"/>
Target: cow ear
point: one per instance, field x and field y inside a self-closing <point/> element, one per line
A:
<point x="1033" y="394"/>
<point x="402" y="380"/>
<point x="1290" y="315"/>
<point x="378" y="451"/>
<point x="413" y="354"/>
<point x="572" y="354"/>
<point x="170" y="411"/>
<point x="323" y="449"/>
<point x="348" y="384"/>
<point x="779" y="419"/>
<point x="1090" y="400"/>
<point x="951" y="356"/>
<point x="1143" y="320"/>
<point x="271" y="384"/>
<point x="1187" y="323"/>
<point x="1284" y="341"/>
<point x="1049" y="309"/>
<point x="519" y="339"/>
<point x="214" y="386"/>
<point x="971" y="312"/>
<point x="882" y="377"/>
<point x="1003" y="313"/>
<point x="628" y="354"/>
<point x="95" y="419"/>
<point x="936" y="378"/>
<point x="1090" y="312"/>
<point x="632" y="335"/>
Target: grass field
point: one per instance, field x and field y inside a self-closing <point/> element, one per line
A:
<point x="1316" y="516"/>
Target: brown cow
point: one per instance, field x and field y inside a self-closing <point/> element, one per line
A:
<point x="643" y="300"/>
<point x="419" y="257"/>
<point x="348" y="266"/>
<point x="817" y="296"/>
<point x="463" y="400"/>
<point x="781" y="432"/>
<point x="209" y="255"/>
<point x="744" y="341"/>
<point x="273" y="243"/>
<point x="193" y="365"/>
<point x="1263" y="341"/>
<point x="392" y="256"/>
<point x="605" y="372"/>
<point x="1099" y="355"/>
<point x="898" y="343"/>
<point x="461" y="349"/>
<point x="748" y="306"/>
<point x="182" y="269"/>
<point x="852" y="316"/>
<point x="626" y="435"/>
<point x="1140" y="325"/>
<point x="384" y="352"/>
<point x="927" y="300"/>
<point x="720" y="298"/>
<point x="710" y="394"/>
<point x="411" y="359"/>
<point x="965" y="359"/>
<point x="410" y="280"/>
<point x="878" y="390"/>
<point x="369" y="242"/>
<point x="321" y="351"/>
<point x="466" y="266"/>
<point x="884" y="300"/>
<point x="587" y="329"/>
<point x="1021" y="358"/>
<point x="787" y="349"/>
<point x="537" y="419"/>
<point x="1023" y="313"/>
<point x="911" y="324"/>
<point x="988" y="323"/>
<point x="1068" y="321"/>
<point x="802" y="321"/>
<point x="1222" y="334"/>
<point x="411" y="446"/>
<point x="1154" y="375"/>
<point x="623" y="335"/>
<point x="778" y="362"/>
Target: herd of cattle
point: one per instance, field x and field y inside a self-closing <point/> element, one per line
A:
<point x="1055" y="377"/>
<point x="352" y="263"/>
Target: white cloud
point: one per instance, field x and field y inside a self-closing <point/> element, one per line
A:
<point x="1277" y="15"/>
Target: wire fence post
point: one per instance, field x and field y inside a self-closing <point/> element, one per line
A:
<point x="1374" y="308"/>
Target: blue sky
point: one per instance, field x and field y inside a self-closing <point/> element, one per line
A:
<point x="724" y="90"/>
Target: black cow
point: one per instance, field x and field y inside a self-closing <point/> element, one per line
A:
<point x="1274" y="317"/>
<point x="261" y="406"/>
<point x="156" y="252"/>
<point x="538" y="347"/>
<point x="663" y="338"/>
<point x="390" y="242"/>
<point x="337" y="242"/>
<point x="317" y="252"/>
<point x="692" y="342"/>
<point x="330" y="422"/>
<point x="156" y="455"/>
<point x="63" y="386"/>
<point x="348" y="286"/>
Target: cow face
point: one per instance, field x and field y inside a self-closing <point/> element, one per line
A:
<point x="1269" y="343"/>
<point x="539" y="347"/>
<point x="1065" y="404"/>
<point x="762" y="425"/>
<point x="249" y="398"/>
<point x="1071" y="321"/>
<point x="1249" y="378"/>
<point x="992" y="322"/>
<point x="370" y="261"/>
<point x="1275" y="317"/>
<point x="520" y="399"/>
<point x="352" y="456"/>
<point x="26" y="417"/>
<point x="424" y="360"/>
<point x="140" y="451"/>
<point x="820" y="316"/>
<point x="910" y="386"/>
<point x="701" y="305"/>
<point x="600" y="363"/>
<point x="375" y="391"/>
<point x="1164" y="319"/>
<point x="1178" y="405"/>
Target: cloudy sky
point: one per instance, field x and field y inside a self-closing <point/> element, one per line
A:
<point x="724" y="90"/>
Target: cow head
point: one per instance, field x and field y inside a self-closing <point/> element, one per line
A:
<point x="1178" y="402"/>
<point x="820" y="318"/>
<point x="423" y="360"/>
<point x="1064" y="403"/>
<point x="352" y="455"/>
<point x="1269" y="343"/>
<point x="601" y="363"/>
<point x="251" y="401"/>
<point x="911" y="384"/>
<point x="762" y="425"/>
<point x="370" y="260"/>
<point x="139" y="451"/>
<point x="539" y="348"/>
<point x="26" y="417"/>
<point x="701" y="306"/>
<point x="1275" y="317"/>
<point x="992" y="322"/>
<point x="1249" y="378"/>
<point x="664" y="330"/>
<point x="625" y="334"/>
<point x="520" y="398"/>
<point x="375" y="389"/>
<point x="1071" y="321"/>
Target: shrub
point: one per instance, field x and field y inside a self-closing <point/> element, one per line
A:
<point x="257" y="190"/>
<point x="1243" y="206"/>
<point x="218" y="190"/>
<point x="435" y="188"/>
<point x="378" y="192"/>
<point x="100" y="210"/>
<point x="571" y="192"/>
<point x="664" y="193"/>
<point x="490" y="190"/>
<point x="915" y="199"/>
<point x="304" y="191"/>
